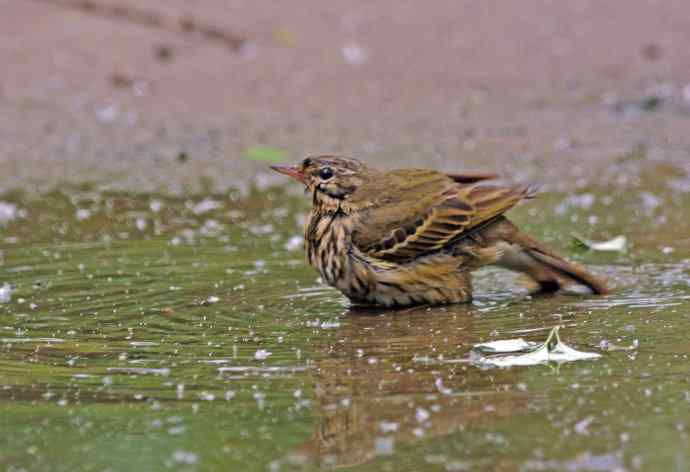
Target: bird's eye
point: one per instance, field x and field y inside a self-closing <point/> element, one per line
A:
<point x="326" y="173"/>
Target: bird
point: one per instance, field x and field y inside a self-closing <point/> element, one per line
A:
<point x="409" y="237"/>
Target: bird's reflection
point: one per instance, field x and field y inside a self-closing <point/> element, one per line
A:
<point x="389" y="379"/>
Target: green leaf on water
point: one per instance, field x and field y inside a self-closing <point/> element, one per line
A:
<point x="265" y="154"/>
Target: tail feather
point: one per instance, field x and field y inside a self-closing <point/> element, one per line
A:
<point x="522" y="253"/>
<point x="560" y="268"/>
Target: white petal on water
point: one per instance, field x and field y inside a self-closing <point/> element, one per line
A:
<point x="83" y="214"/>
<point x="443" y="390"/>
<point x="8" y="212"/>
<point x="422" y="415"/>
<point x="6" y="293"/>
<point x="616" y="244"/>
<point x="261" y="354"/>
<point x="582" y="426"/>
<point x="294" y="243"/>
<point x="184" y="457"/>
<point x="505" y="345"/>
<point x="552" y="350"/>
<point x="210" y="300"/>
<point x="206" y="205"/>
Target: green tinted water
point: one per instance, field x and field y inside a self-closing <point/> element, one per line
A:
<point x="151" y="333"/>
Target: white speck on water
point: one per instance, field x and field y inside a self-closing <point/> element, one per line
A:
<point x="141" y="224"/>
<point x="650" y="201"/>
<point x="229" y="395"/>
<point x="211" y="300"/>
<point x="262" y="354"/>
<point x="206" y="396"/>
<point x="422" y="415"/>
<point x="8" y="212"/>
<point x="83" y="214"/>
<point x="384" y="446"/>
<point x="177" y="430"/>
<point x="294" y="243"/>
<point x="582" y="426"/>
<point x="419" y="432"/>
<point x="179" y="390"/>
<point x="354" y="54"/>
<point x="261" y="230"/>
<point x="388" y="426"/>
<point x="155" y="205"/>
<point x="6" y="293"/>
<point x="260" y="398"/>
<point x="206" y="205"/>
<point x="441" y="388"/>
<point x="297" y="393"/>
<point x="330" y="324"/>
<point x="184" y="457"/>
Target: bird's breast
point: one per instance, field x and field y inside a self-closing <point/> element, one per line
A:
<point x="328" y="238"/>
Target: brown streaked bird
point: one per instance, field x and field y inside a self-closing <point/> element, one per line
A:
<point x="413" y="236"/>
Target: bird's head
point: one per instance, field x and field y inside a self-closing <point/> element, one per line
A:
<point x="327" y="176"/>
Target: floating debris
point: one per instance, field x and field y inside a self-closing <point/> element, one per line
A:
<point x="552" y="350"/>
<point x="6" y="293"/>
<point x="617" y="244"/>
<point x="262" y="354"/>
<point x="212" y="300"/>
<point x="505" y="345"/>
<point x="8" y="212"/>
<point x="294" y="243"/>
<point x="206" y="205"/>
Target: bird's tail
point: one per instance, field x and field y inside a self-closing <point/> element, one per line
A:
<point x="520" y="252"/>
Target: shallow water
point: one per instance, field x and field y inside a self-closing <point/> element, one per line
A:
<point x="159" y="333"/>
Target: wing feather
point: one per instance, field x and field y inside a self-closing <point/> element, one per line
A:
<point x="441" y="215"/>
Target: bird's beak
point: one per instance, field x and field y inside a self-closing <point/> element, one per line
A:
<point x="291" y="171"/>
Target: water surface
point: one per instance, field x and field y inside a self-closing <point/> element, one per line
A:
<point x="156" y="333"/>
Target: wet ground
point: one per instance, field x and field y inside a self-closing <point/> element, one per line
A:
<point x="166" y="333"/>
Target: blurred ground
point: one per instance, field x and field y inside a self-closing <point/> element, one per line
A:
<point x="151" y="95"/>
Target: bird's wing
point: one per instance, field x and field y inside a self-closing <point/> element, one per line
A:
<point x="413" y="212"/>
